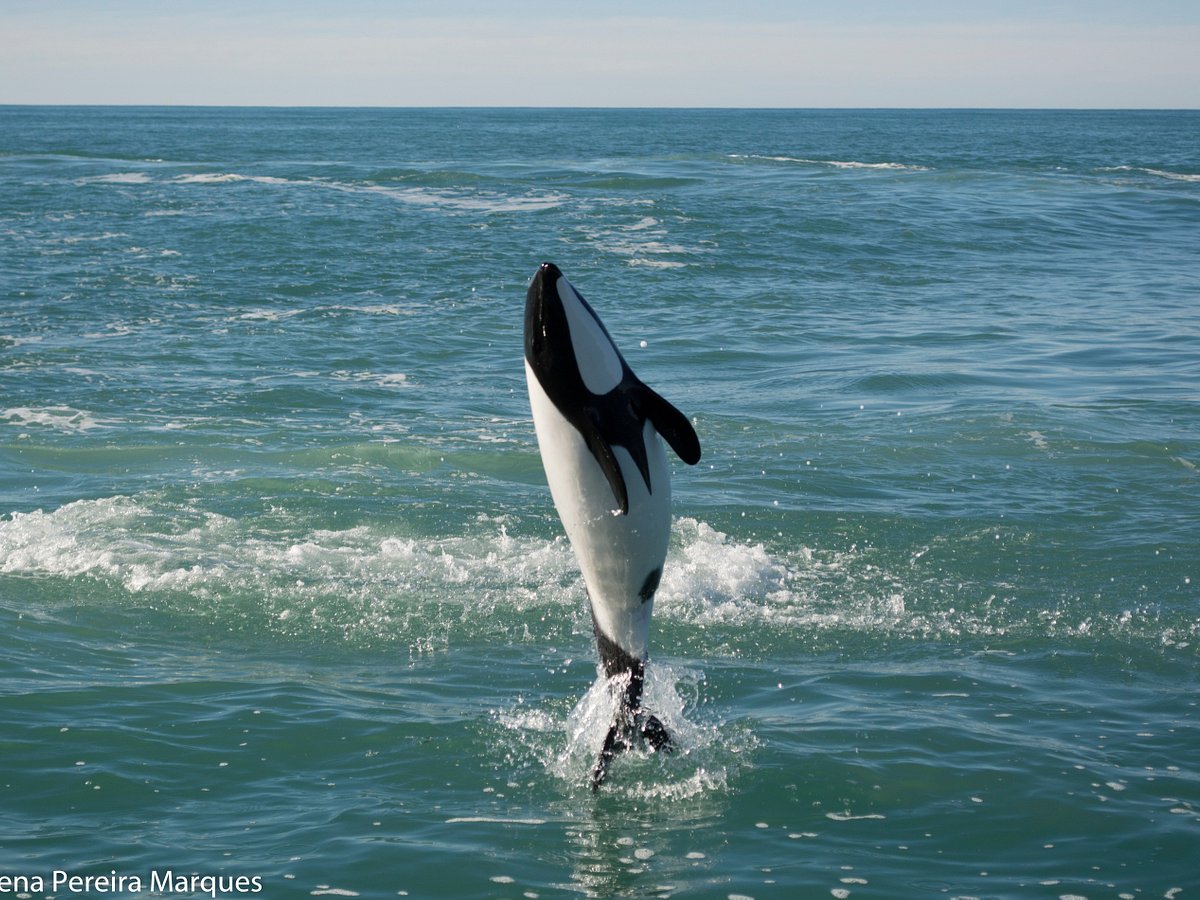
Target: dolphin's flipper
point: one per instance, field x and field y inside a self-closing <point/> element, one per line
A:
<point x="604" y="423"/>
<point x="614" y="743"/>
<point x="671" y="424"/>
<point x="602" y="451"/>
<point x="655" y="733"/>
<point x="628" y="728"/>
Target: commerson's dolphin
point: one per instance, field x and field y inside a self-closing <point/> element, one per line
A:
<point x="598" y="429"/>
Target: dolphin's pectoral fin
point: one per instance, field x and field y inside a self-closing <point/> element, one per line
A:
<point x="671" y="424"/>
<point x="607" y="460"/>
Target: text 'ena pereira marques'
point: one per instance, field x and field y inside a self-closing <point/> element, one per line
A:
<point x="159" y="882"/>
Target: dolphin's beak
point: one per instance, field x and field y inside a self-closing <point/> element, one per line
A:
<point x="543" y="289"/>
<point x="545" y="280"/>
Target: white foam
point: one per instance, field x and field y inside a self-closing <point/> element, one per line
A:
<point x="57" y="418"/>
<point x="834" y="163"/>
<point x="1037" y="439"/>
<point x="1157" y="173"/>
<point x="210" y="178"/>
<point x="711" y="578"/>
<point x="481" y="201"/>
<point x="885" y="166"/>
<point x="268" y="315"/>
<point x="115" y="329"/>
<point x="455" y="200"/>
<point x="643" y="243"/>
<point x="493" y="820"/>
<point x="84" y="238"/>
<point x="148" y="546"/>
<point x="463" y="200"/>
<point x="116" y="178"/>
<point x="277" y="315"/>
<point x="389" y="380"/>
<point x="357" y="579"/>
<point x="719" y="596"/>
<point x="657" y="263"/>
<point x="378" y="309"/>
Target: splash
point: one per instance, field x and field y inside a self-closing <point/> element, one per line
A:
<point x="502" y="577"/>
<point x="708" y="750"/>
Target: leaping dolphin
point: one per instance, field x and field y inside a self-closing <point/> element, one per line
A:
<point x="598" y="430"/>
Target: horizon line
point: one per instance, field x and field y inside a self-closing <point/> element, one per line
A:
<point x="594" y="108"/>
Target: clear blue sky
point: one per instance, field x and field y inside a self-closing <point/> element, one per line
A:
<point x="989" y="53"/>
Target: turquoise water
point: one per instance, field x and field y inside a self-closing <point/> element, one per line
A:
<point x="282" y="590"/>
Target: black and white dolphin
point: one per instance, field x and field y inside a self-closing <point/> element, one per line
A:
<point x="598" y="430"/>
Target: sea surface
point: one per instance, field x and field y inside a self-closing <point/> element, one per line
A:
<point x="283" y="595"/>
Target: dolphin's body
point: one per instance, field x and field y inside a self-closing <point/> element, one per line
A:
<point x="598" y="430"/>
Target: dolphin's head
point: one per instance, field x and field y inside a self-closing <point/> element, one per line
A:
<point x="564" y="339"/>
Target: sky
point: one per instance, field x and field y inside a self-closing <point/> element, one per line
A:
<point x="652" y="53"/>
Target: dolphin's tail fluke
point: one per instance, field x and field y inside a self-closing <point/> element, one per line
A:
<point x="633" y="726"/>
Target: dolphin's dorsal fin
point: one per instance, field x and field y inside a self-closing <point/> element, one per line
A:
<point x="673" y="425"/>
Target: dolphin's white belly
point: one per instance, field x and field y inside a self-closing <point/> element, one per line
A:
<point x="616" y="553"/>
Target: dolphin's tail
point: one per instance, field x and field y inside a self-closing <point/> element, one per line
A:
<point x="633" y="726"/>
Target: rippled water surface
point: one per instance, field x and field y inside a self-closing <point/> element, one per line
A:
<point x="283" y="594"/>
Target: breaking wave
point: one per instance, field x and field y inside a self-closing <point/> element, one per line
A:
<point x="56" y="418"/>
<point x="454" y="200"/>
<point x="831" y="163"/>
<point x="719" y="596"/>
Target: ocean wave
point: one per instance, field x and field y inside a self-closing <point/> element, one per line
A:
<point x="354" y="578"/>
<point x="86" y="238"/>
<point x="832" y="163"/>
<point x="147" y="546"/>
<point x="719" y="595"/>
<point x="457" y="200"/>
<point x="646" y="263"/>
<point x="464" y="200"/>
<point x="56" y="418"/>
<point x="1157" y="173"/>
<point x="280" y="315"/>
<point x="116" y="178"/>
<point x="267" y="315"/>
<point x="210" y="178"/>
<point x="641" y="243"/>
<point x="380" y="379"/>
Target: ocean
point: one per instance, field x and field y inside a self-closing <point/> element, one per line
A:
<point x="286" y="609"/>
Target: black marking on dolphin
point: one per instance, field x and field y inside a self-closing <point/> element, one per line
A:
<point x="650" y="585"/>
<point x="614" y="419"/>
<point x="634" y="724"/>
